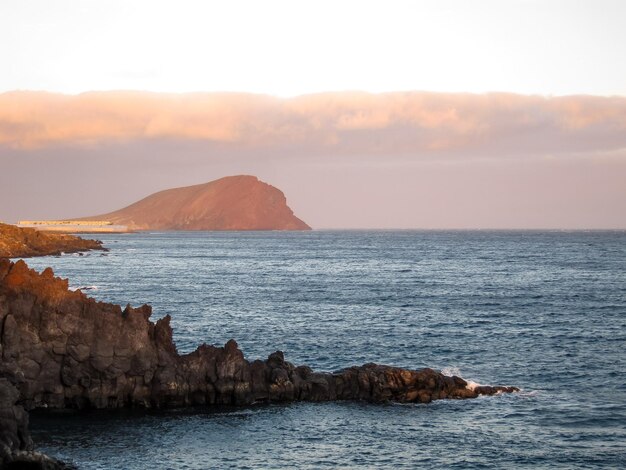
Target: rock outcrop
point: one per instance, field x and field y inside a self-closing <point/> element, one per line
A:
<point x="16" y="446"/>
<point x="62" y="349"/>
<point x="231" y="203"/>
<point x="23" y="242"/>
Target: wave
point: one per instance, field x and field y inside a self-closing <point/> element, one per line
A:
<point x="455" y="371"/>
<point x="81" y="288"/>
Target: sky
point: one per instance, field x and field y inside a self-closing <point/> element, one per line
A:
<point x="367" y="114"/>
<point x="287" y="48"/>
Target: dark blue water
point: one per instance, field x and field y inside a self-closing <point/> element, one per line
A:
<point x="545" y="311"/>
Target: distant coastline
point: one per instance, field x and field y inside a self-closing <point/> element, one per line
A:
<point x="24" y="242"/>
<point x="74" y="226"/>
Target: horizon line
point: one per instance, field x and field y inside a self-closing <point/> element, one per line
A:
<point x="381" y="229"/>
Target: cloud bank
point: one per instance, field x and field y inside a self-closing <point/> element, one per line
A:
<point x="412" y="123"/>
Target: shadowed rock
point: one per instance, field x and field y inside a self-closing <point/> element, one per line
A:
<point x="62" y="349"/>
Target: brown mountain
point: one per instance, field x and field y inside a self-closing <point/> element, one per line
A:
<point x="231" y="203"/>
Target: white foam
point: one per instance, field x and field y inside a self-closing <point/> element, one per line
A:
<point x="455" y="371"/>
<point x="471" y="385"/>
<point x="84" y="288"/>
<point x="451" y="371"/>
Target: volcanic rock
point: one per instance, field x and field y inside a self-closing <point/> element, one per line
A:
<point x="231" y="203"/>
<point x="62" y="349"/>
<point x="24" y="242"/>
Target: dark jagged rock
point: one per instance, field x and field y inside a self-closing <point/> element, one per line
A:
<point x="62" y="349"/>
<point x="24" y="242"/>
<point x="16" y="446"/>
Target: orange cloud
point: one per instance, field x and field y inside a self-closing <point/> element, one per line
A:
<point x="406" y="123"/>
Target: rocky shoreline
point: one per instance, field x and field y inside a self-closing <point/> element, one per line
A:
<point x="24" y="242"/>
<point x="61" y="349"/>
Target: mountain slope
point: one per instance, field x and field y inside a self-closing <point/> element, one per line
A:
<point x="231" y="203"/>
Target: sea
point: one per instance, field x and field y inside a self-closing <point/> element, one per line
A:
<point x="544" y="311"/>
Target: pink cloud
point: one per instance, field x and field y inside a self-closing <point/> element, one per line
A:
<point x="345" y="123"/>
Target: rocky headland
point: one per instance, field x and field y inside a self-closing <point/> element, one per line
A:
<point x="18" y="242"/>
<point x="61" y="349"/>
<point x="232" y="203"/>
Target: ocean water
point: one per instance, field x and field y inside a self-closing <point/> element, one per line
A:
<point x="544" y="311"/>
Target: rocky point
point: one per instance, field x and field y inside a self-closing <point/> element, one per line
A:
<point x="24" y="242"/>
<point x="61" y="349"/>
